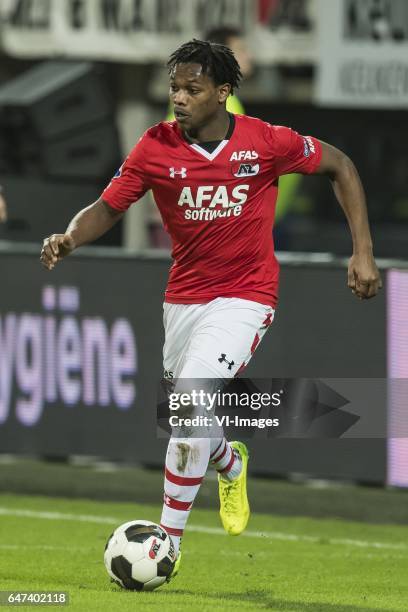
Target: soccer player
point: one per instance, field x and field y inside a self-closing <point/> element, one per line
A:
<point x="233" y="38"/>
<point x="214" y="178"/>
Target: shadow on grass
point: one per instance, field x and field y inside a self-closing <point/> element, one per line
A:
<point x="267" y="601"/>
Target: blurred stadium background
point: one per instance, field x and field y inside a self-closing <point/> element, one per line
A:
<point x="80" y="349"/>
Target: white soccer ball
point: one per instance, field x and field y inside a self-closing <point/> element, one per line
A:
<point x="139" y="555"/>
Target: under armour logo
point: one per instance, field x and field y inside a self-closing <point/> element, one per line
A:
<point x="182" y="172"/>
<point x="223" y="358"/>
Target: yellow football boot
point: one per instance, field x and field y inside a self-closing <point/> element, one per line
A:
<point x="176" y="568"/>
<point x="234" y="506"/>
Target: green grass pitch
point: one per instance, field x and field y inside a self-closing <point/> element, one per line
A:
<point x="291" y="564"/>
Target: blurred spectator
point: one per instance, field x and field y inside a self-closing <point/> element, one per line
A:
<point x="293" y="14"/>
<point x="234" y="39"/>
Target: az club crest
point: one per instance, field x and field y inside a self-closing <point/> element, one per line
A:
<point x="245" y="170"/>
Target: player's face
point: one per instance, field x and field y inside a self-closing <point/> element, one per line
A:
<point x="195" y="97"/>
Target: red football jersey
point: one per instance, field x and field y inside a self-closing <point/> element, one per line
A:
<point x="217" y="207"/>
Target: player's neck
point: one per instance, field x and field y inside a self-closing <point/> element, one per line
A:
<point x="215" y="129"/>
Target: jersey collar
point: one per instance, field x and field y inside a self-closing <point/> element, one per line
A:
<point x="211" y="155"/>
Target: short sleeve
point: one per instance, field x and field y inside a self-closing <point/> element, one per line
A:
<point x="292" y="152"/>
<point x="130" y="182"/>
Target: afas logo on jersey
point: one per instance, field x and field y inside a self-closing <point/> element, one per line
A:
<point x="211" y="196"/>
<point x="213" y="202"/>
<point x="243" y="155"/>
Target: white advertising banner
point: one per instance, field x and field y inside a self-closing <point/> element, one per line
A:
<point x="363" y="53"/>
<point x="113" y="30"/>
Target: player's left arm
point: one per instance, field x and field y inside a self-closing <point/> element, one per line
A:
<point x="363" y="276"/>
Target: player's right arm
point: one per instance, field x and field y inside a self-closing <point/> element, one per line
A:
<point x="127" y="186"/>
<point x="87" y="226"/>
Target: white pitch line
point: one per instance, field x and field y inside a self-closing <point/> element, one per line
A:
<point x="268" y="535"/>
<point x="58" y="516"/>
<point x="42" y="547"/>
<point x="292" y="537"/>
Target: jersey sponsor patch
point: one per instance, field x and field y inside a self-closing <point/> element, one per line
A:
<point x="210" y="196"/>
<point x="210" y="214"/>
<point x="209" y="202"/>
<point x="243" y="155"/>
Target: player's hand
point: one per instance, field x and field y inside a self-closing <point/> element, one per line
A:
<point x="55" y="248"/>
<point x="363" y="276"/>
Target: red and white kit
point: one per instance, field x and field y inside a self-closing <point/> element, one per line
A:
<point x="217" y="207"/>
<point x="219" y="210"/>
<point x="214" y="340"/>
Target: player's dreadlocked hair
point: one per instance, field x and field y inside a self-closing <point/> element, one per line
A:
<point x="217" y="61"/>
